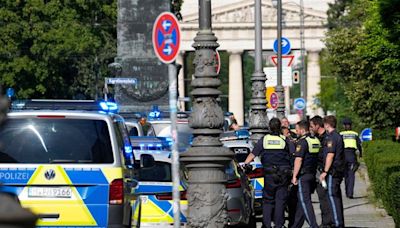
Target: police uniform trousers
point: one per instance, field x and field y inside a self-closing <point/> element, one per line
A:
<point x="275" y="194"/>
<point x="324" y="206"/>
<point x="349" y="175"/>
<point x="305" y="210"/>
<point x="335" y="199"/>
<point x="292" y="205"/>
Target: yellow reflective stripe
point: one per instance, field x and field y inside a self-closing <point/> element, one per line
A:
<point x="112" y="173"/>
<point x="67" y="208"/>
<point x="349" y="139"/>
<point x="273" y="142"/>
<point x="313" y="145"/>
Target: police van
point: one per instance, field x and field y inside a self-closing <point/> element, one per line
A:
<point x="70" y="162"/>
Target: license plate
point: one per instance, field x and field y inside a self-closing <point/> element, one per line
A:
<point x="59" y="192"/>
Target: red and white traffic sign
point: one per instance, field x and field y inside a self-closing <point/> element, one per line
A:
<point x="166" y="37"/>
<point x="287" y="60"/>
<point x="218" y="59"/>
<point x="273" y="99"/>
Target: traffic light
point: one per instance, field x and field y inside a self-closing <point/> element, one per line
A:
<point x="296" y="76"/>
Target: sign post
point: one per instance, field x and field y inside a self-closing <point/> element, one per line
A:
<point x="166" y="42"/>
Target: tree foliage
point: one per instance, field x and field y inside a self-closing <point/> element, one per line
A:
<point x="53" y="48"/>
<point x="366" y="58"/>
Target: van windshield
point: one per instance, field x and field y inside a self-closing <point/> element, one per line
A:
<point x="53" y="140"/>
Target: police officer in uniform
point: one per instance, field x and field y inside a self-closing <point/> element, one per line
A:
<point x="352" y="143"/>
<point x="305" y="168"/>
<point x="333" y="172"/>
<point x="274" y="150"/>
<point x="318" y="130"/>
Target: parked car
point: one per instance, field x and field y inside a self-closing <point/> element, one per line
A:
<point x="239" y="143"/>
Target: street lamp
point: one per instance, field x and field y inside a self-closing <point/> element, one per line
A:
<point x="206" y="158"/>
<point x="258" y="113"/>
<point x="280" y="111"/>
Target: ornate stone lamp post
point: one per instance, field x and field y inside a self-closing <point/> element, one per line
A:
<point x="206" y="159"/>
<point x="258" y="115"/>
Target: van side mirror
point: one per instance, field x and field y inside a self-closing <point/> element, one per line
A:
<point x="146" y="161"/>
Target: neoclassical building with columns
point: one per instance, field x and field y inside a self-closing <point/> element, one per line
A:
<point x="233" y="24"/>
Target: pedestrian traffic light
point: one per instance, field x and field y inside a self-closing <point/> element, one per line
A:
<point x="296" y="76"/>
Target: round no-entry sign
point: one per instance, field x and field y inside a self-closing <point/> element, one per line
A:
<point x="273" y="99"/>
<point x="166" y="37"/>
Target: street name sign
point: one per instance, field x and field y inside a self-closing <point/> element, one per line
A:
<point x="113" y="81"/>
<point x="166" y="37"/>
<point x="286" y="46"/>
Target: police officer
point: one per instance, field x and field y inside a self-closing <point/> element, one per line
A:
<point x="332" y="174"/>
<point x="317" y="129"/>
<point x="274" y="150"/>
<point x="352" y="143"/>
<point x="305" y="168"/>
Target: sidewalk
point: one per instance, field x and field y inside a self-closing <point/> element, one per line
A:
<point x="358" y="212"/>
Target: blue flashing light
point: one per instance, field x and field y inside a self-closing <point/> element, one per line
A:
<point x="128" y="149"/>
<point x="242" y="134"/>
<point x="10" y="92"/>
<point x="155" y="114"/>
<point x="108" y="106"/>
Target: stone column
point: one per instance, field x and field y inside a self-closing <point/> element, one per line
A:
<point x="313" y="80"/>
<point x="236" y="104"/>
<point x="181" y="80"/>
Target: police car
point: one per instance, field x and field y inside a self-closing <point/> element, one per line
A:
<point x="154" y="204"/>
<point x="239" y="142"/>
<point x="70" y="162"/>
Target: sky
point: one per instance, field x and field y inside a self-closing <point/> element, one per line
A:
<point x="190" y="5"/>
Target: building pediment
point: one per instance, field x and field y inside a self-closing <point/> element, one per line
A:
<point x="243" y="12"/>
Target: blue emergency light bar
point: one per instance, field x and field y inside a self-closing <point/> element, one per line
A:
<point x="85" y="105"/>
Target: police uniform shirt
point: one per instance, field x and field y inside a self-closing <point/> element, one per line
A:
<point x="302" y="150"/>
<point x="321" y="154"/>
<point x="333" y="143"/>
<point x="351" y="143"/>
<point x="274" y="157"/>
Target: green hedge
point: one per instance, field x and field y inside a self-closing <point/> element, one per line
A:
<point x="383" y="161"/>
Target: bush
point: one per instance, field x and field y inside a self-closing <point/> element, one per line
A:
<point x="383" y="161"/>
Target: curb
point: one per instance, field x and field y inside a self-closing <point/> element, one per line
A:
<point x="363" y="172"/>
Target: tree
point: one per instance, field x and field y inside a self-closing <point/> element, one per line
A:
<point x="48" y="48"/>
<point x="367" y="60"/>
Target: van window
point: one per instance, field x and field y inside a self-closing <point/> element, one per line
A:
<point x="49" y="140"/>
<point x="161" y="172"/>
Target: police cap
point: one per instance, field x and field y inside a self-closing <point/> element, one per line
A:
<point x="346" y="121"/>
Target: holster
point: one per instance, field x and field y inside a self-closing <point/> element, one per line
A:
<point x="355" y="166"/>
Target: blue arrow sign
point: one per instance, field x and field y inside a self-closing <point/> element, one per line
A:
<point x="286" y="46"/>
<point x="366" y="134"/>
<point x="299" y="104"/>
